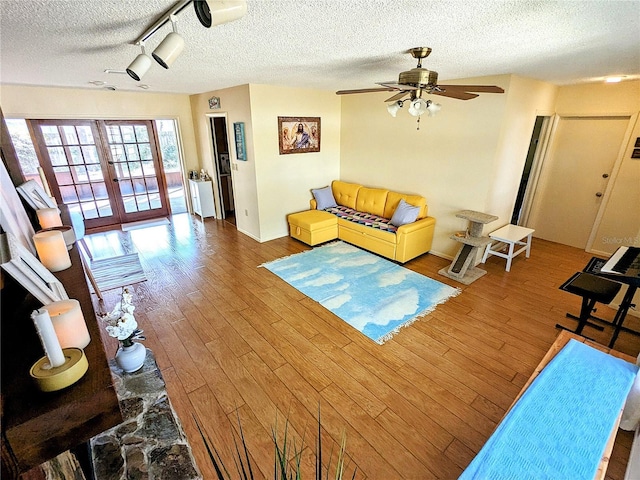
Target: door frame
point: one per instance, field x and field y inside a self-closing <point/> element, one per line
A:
<point x="543" y="172"/>
<point x="217" y="188"/>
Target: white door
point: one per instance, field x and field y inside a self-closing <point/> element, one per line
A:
<point x="575" y="176"/>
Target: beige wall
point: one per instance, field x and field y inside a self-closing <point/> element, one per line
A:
<point x="72" y="103"/>
<point x="284" y="181"/>
<point x="455" y="157"/>
<point x="268" y="186"/>
<point x="235" y="105"/>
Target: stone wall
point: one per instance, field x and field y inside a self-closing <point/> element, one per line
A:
<point x="149" y="444"/>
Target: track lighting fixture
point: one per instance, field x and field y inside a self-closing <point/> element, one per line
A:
<point x="209" y="12"/>
<point x="216" y="12"/>
<point x="169" y="49"/>
<point x="140" y="65"/>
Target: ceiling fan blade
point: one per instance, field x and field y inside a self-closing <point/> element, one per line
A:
<point x="365" y="90"/>
<point x="473" y="88"/>
<point x="397" y="96"/>
<point x="397" y="86"/>
<point x="459" y="94"/>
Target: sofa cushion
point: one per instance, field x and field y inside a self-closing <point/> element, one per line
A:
<point x="363" y="218"/>
<point x="393" y="199"/>
<point x="404" y="214"/>
<point x="372" y="200"/>
<point x="324" y="198"/>
<point x="345" y="193"/>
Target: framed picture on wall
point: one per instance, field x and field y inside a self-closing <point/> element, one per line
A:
<point x="299" y="134"/>
<point x="238" y="133"/>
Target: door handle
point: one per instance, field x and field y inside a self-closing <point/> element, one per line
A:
<point x="605" y="175"/>
<point x="116" y="180"/>
<point x="599" y="194"/>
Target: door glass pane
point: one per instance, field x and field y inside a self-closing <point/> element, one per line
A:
<point x="63" y="175"/>
<point x="117" y="153"/>
<point x="104" y="208"/>
<point x="154" y="201"/>
<point x="85" y="135"/>
<point x="148" y="169"/>
<point x="57" y="156"/>
<point x="68" y="194"/>
<point x="152" y="185"/>
<point x="126" y="187"/>
<point x="143" y="202"/>
<point x="76" y="155"/>
<point x="128" y="134"/>
<point x="132" y="152"/>
<point x="139" y="185"/>
<point x="95" y="173"/>
<point x="90" y="154"/>
<point x="51" y="135"/>
<point x="142" y="135"/>
<point x="80" y="174"/>
<point x="145" y="151"/>
<point x="113" y="134"/>
<point x="70" y="135"/>
<point x="100" y="191"/>
<point x="89" y="210"/>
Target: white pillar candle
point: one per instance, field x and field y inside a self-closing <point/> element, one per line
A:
<point x="69" y="324"/>
<point x="52" y="250"/>
<point x="48" y="338"/>
<point x="49" y="217"/>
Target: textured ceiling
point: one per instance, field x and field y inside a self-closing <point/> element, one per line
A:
<point x="324" y="44"/>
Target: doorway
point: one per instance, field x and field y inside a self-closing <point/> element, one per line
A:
<point x="576" y="174"/>
<point x="222" y="162"/>
<point x="108" y="171"/>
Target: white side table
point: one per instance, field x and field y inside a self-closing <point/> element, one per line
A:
<point x="512" y="235"/>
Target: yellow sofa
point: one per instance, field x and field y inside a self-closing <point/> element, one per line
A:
<point x="407" y="242"/>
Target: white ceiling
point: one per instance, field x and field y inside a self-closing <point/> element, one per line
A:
<point x="324" y="44"/>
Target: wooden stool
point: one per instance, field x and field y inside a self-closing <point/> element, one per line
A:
<point x="592" y="289"/>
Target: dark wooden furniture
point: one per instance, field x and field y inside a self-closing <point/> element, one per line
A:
<point x="38" y="426"/>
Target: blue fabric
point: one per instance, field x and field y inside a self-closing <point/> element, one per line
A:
<point x="324" y="198"/>
<point x="373" y="295"/>
<point x="560" y="426"/>
<point x="404" y="214"/>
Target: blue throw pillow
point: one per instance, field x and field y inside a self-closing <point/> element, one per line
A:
<point x="324" y="198"/>
<point x="404" y="214"/>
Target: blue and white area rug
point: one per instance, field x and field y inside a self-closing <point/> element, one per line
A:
<point x="373" y="295"/>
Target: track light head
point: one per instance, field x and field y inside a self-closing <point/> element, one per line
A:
<point x="140" y="65"/>
<point x="216" y="12"/>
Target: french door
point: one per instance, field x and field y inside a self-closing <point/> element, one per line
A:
<point x="108" y="171"/>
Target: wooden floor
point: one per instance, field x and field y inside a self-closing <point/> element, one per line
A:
<point x="234" y="341"/>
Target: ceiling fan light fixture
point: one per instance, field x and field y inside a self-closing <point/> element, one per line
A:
<point x="216" y="12"/>
<point x="418" y="107"/>
<point x="170" y="48"/>
<point x="393" y="108"/>
<point x="433" y="108"/>
<point x="140" y="66"/>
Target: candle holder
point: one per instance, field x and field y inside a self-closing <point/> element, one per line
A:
<point x="59" y="368"/>
<point x="67" y="233"/>
<point x="51" y="379"/>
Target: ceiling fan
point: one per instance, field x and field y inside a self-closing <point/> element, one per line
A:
<point x="419" y="80"/>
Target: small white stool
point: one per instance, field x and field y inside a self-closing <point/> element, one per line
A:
<point x="512" y="235"/>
